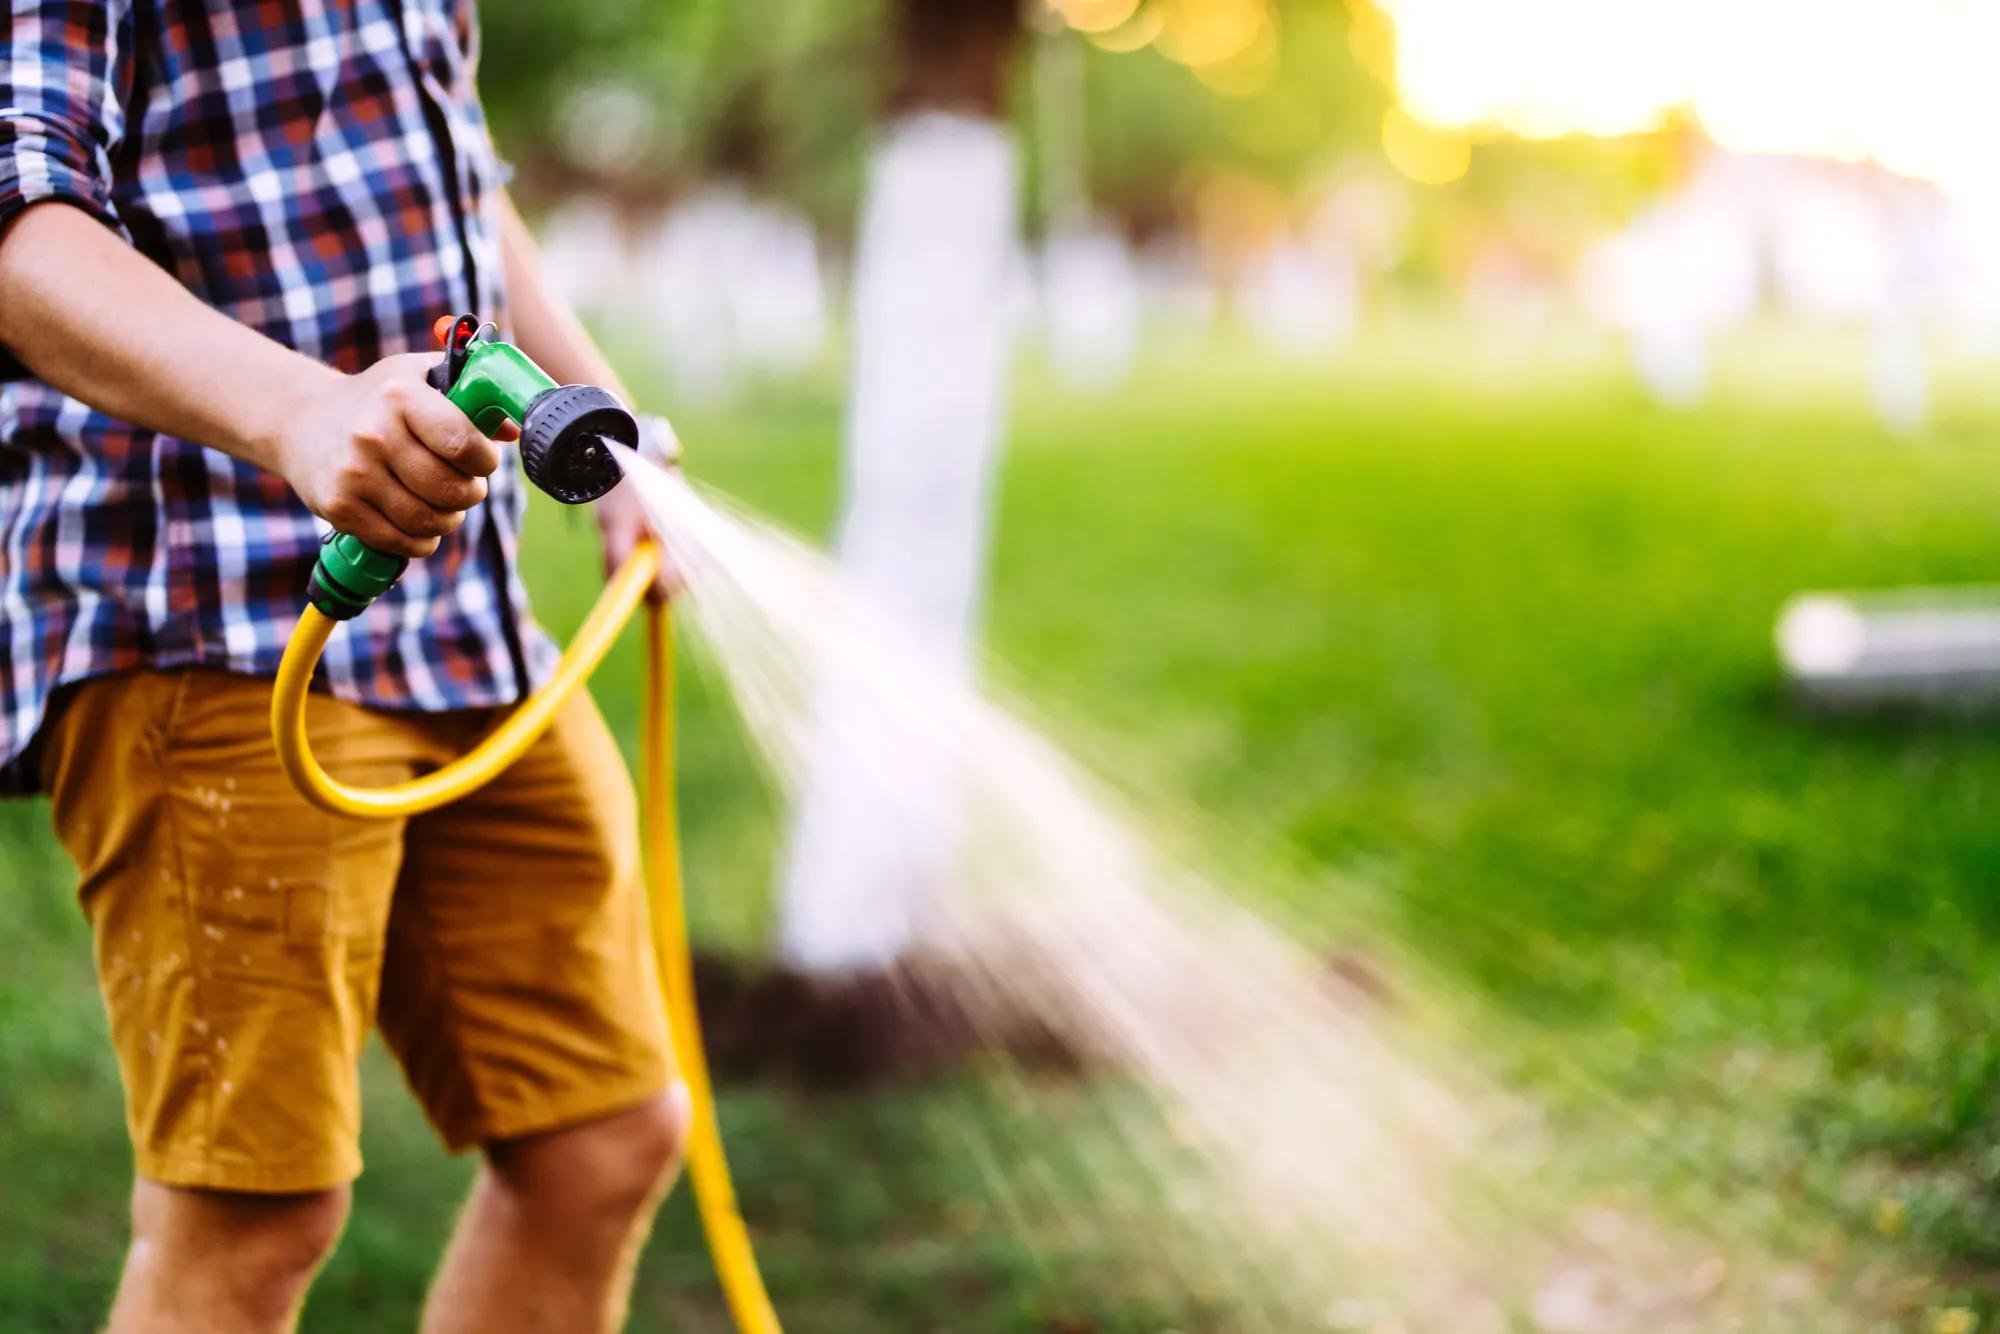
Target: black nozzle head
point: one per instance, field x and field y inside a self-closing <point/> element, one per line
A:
<point x="562" y="441"/>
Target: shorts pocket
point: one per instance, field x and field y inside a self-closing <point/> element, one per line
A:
<point x="276" y="888"/>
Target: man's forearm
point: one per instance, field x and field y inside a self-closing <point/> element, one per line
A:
<point x="379" y="454"/>
<point x="107" y="326"/>
<point x="545" y="324"/>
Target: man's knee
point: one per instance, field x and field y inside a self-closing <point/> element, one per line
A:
<point x="253" y="1254"/>
<point x="616" y="1166"/>
<point x="299" y="1232"/>
<point x="656" y="1136"/>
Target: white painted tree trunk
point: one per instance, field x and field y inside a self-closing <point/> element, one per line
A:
<point x="933" y="326"/>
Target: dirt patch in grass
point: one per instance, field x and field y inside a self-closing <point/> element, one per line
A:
<point x="763" y="1020"/>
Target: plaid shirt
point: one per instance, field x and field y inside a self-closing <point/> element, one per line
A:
<point x="323" y="174"/>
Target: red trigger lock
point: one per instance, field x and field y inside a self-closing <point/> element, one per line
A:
<point x="454" y="331"/>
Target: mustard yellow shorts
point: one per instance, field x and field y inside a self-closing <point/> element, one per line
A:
<point x="247" y="943"/>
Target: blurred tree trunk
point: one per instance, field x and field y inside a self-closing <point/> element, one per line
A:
<point x="954" y="55"/>
<point x="934" y="282"/>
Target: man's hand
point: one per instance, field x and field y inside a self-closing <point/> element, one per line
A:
<point x="384" y="456"/>
<point x="621" y="519"/>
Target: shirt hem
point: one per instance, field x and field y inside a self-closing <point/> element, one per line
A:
<point x="17" y="770"/>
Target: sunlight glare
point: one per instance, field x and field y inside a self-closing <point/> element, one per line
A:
<point x="1909" y="86"/>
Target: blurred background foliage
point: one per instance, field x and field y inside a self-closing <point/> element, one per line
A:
<point x="647" y="102"/>
<point x="645" y="98"/>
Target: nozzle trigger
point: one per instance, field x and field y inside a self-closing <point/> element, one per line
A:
<point x="455" y="334"/>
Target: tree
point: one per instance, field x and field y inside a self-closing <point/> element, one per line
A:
<point x="934" y="270"/>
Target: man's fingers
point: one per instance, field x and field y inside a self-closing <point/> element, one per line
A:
<point x="413" y="516"/>
<point x="670" y="582"/>
<point x="434" y="481"/>
<point x="367" y="522"/>
<point x="623" y="531"/>
<point x="441" y="428"/>
<point x="667" y="584"/>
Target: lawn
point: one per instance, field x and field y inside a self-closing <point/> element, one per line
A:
<point x="1463" y="626"/>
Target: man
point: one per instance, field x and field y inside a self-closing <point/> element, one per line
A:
<point x="225" y="232"/>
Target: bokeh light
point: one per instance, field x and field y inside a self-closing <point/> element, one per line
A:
<point x="1424" y="153"/>
<point x="1231" y="45"/>
<point x="1096" y="15"/>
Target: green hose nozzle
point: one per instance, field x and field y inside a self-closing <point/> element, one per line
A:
<point x="350" y="574"/>
<point x="563" y="433"/>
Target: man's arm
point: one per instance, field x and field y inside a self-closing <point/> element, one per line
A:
<point x="545" y="324"/>
<point x="547" y="329"/>
<point x="380" y="454"/>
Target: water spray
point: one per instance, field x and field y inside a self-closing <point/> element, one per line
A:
<point x="566" y="436"/>
<point x="1294" y="1147"/>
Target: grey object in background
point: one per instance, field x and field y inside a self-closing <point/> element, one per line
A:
<point x="1925" y="646"/>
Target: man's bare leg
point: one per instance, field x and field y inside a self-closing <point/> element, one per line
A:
<point x="219" y="1262"/>
<point x="551" y="1237"/>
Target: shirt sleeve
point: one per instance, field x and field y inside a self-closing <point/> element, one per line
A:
<point x="65" y="74"/>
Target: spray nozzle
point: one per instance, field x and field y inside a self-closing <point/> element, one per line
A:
<point x="564" y="428"/>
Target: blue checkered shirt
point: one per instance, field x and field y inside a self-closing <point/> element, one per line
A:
<point x="323" y="174"/>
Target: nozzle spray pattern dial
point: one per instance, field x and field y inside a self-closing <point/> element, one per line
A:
<point x="563" y="430"/>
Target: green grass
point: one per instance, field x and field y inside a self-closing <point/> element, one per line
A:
<point x="1469" y="631"/>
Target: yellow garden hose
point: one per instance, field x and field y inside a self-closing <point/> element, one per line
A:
<point x="708" y="1166"/>
<point x="485" y="761"/>
<point x="714" y="1193"/>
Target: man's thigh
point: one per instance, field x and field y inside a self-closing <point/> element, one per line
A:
<point x="520" y="991"/>
<point x="239" y="932"/>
